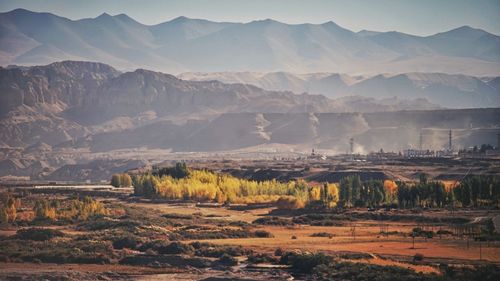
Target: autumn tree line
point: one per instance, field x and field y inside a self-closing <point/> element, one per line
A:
<point x="180" y="183"/>
<point x="44" y="209"/>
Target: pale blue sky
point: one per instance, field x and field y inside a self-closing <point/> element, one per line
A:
<point x="421" y="17"/>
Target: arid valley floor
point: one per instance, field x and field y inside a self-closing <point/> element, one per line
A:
<point x="132" y="239"/>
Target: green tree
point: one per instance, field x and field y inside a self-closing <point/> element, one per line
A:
<point x="115" y="180"/>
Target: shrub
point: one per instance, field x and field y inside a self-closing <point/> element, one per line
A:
<point x="38" y="234"/>
<point x="303" y="261"/>
<point x="263" y="234"/>
<point x="216" y="251"/>
<point x="273" y="221"/>
<point x="278" y="252"/>
<point x="320" y="219"/>
<point x="228" y="260"/>
<point x="322" y="234"/>
<point x="294" y="237"/>
<point x="212" y="234"/>
<point x="175" y="248"/>
<point x="262" y="258"/>
<point x="419" y="232"/>
<point x="103" y="223"/>
<point x="128" y="241"/>
<point x="444" y="232"/>
<point x="418" y="257"/>
<point x="153" y="245"/>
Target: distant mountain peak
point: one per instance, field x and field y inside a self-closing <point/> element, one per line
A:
<point x="265" y="21"/>
<point x="20" y="11"/>
<point x="181" y="19"/>
<point x="463" y="31"/>
<point x="104" y="15"/>
<point x="331" y="23"/>
<point x="365" y="32"/>
<point x="125" y="17"/>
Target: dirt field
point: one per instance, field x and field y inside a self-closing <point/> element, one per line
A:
<point x="367" y="240"/>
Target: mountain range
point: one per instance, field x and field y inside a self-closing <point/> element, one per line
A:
<point x="70" y="99"/>
<point x="444" y="90"/>
<point x="193" y="45"/>
<point x="56" y="118"/>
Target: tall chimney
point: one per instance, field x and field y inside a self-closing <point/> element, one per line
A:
<point x="449" y="141"/>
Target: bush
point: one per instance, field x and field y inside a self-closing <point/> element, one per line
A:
<point x="228" y="260"/>
<point x="278" y="252"/>
<point x="38" y="234"/>
<point x="209" y="233"/>
<point x="273" y="221"/>
<point x="216" y="251"/>
<point x="129" y="242"/>
<point x="153" y="245"/>
<point x="103" y="223"/>
<point x="322" y="234"/>
<point x="262" y="258"/>
<point x="419" y="232"/>
<point x="263" y="234"/>
<point x="321" y="219"/>
<point x="176" y="248"/>
<point x="444" y="232"/>
<point x="418" y="257"/>
<point x="303" y="261"/>
<point x="294" y="237"/>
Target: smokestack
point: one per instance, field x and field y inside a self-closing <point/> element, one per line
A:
<point x="351" y="143"/>
<point x="420" y="141"/>
<point x="449" y="141"/>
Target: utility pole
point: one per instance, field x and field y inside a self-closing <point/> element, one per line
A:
<point x="353" y="231"/>
<point x="480" y="250"/>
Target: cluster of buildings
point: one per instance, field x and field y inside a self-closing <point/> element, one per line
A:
<point x="415" y="153"/>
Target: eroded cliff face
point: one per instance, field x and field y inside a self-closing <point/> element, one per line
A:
<point x="60" y="85"/>
<point x="69" y="99"/>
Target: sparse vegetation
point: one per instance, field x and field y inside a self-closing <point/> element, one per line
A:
<point x="273" y="221"/>
<point x="38" y="234"/>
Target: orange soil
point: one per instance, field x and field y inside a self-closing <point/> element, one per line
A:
<point x="366" y="241"/>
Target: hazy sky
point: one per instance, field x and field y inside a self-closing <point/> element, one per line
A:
<point x="422" y="17"/>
